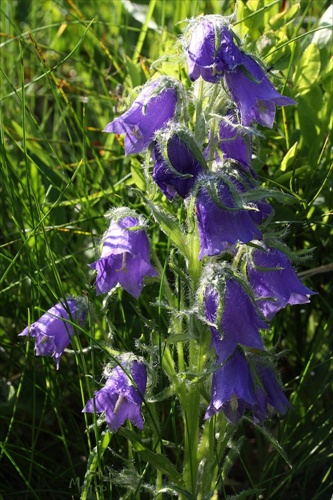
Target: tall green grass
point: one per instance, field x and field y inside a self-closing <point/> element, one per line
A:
<point x="67" y="68"/>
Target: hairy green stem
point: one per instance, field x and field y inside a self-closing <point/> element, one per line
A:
<point x="191" y="404"/>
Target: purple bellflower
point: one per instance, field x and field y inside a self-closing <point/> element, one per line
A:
<point x="220" y="223"/>
<point x="232" y="388"/>
<point x="240" y="321"/>
<point x="274" y="282"/>
<point x="235" y="389"/>
<point x="239" y="382"/>
<point x="53" y="331"/>
<point x="177" y="173"/>
<point x="124" y="258"/>
<point x="211" y="50"/>
<point x="253" y="93"/>
<point x="121" y="397"/>
<point x="152" y="109"/>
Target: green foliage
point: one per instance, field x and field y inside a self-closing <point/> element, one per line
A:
<point x="67" y="68"/>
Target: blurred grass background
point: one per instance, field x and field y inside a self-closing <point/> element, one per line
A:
<point x="67" y="68"/>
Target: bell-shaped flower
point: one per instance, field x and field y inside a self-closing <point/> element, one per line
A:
<point x="220" y="222"/>
<point x="211" y="50"/>
<point x="125" y="256"/>
<point x="53" y="331"/>
<point x="232" y="388"/>
<point x="274" y="281"/>
<point x="239" y="323"/>
<point x="176" y="167"/>
<point x="253" y="93"/>
<point x="122" y="395"/>
<point x="152" y="109"/>
<point x="238" y="385"/>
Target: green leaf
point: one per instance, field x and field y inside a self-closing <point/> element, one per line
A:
<point x="167" y="393"/>
<point x="266" y="45"/>
<point x="252" y="493"/>
<point x="94" y="460"/>
<point x="326" y="76"/>
<point x="170" y="225"/>
<point x="132" y="437"/>
<point x="289" y="158"/>
<point x="308" y="68"/>
<point x="282" y="179"/>
<point x="283" y="18"/>
<point x="160" y="462"/>
<point x="308" y="109"/>
<point x="271" y="439"/>
<point x="179" y="337"/>
<point x="135" y="72"/>
<point x="138" y="178"/>
<point x="281" y="197"/>
<point x="175" y="491"/>
<point x="233" y="453"/>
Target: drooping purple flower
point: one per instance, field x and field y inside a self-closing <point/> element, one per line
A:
<point x="121" y="397"/>
<point x="235" y="389"/>
<point x="220" y="223"/>
<point x="253" y="93"/>
<point x="53" y="331"/>
<point x="274" y="281"/>
<point x="240" y="321"/>
<point x="124" y="258"/>
<point x="235" y="142"/>
<point x="151" y="110"/>
<point x="232" y="388"/>
<point x="269" y="394"/>
<point x="178" y="171"/>
<point x="211" y="50"/>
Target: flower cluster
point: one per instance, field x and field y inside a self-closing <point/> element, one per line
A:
<point x="213" y="55"/>
<point x="216" y="179"/>
<point x="241" y="379"/>
<point x="207" y="168"/>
